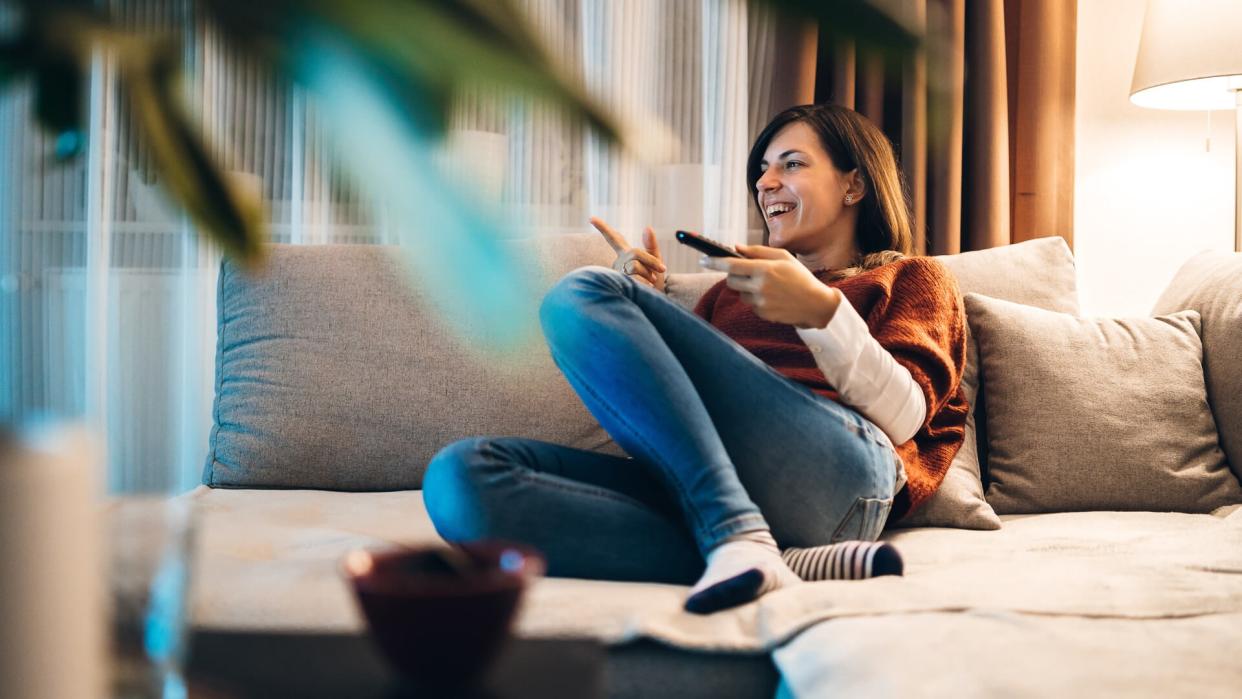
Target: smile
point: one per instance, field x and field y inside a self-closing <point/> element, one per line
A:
<point x="780" y="209"/>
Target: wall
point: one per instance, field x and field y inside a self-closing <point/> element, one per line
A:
<point x="1147" y="195"/>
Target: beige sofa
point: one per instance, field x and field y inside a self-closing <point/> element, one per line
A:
<point x="336" y="384"/>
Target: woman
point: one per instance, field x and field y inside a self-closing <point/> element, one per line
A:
<point x="765" y="419"/>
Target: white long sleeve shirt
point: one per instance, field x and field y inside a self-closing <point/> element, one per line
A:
<point x="867" y="377"/>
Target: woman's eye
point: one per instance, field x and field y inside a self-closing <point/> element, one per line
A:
<point x="792" y="163"/>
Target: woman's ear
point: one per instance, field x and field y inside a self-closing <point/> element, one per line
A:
<point x="857" y="188"/>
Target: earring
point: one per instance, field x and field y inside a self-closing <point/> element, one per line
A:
<point x="848" y="198"/>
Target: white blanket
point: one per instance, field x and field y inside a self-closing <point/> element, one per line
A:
<point x="995" y="653"/>
<point x="269" y="560"/>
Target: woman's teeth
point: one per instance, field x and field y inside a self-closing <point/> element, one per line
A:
<point x="778" y="209"/>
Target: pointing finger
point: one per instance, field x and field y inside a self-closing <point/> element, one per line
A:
<point x="615" y="239"/>
<point x="649" y="240"/>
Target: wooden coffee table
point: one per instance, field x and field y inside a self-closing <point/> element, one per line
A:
<point x="237" y="664"/>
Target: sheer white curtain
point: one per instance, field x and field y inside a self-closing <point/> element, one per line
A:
<point x="692" y="79"/>
<point x="107" y="295"/>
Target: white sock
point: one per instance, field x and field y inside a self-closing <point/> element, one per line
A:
<point x="739" y="570"/>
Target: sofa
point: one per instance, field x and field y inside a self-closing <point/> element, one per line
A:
<point x="1077" y="545"/>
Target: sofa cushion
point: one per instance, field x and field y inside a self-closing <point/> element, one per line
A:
<point x="1117" y="583"/>
<point x="686" y="289"/>
<point x="1039" y="273"/>
<point x="1211" y="283"/>
<point x="1097" y="414"/>
<point x="333" y="373"/>
<point x="270" y="560"/>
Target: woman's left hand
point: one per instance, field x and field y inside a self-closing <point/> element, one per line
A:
<point x="779" y="287"/>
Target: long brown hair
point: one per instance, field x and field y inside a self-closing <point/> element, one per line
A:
<point x="851" y="141"/>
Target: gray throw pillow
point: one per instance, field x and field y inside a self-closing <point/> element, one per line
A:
<point x="1097" y="413"/>
<point x="1039" y="273"/>
<point x="1211" y="283"/>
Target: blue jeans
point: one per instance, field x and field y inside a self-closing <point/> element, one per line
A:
<point x="719" y="443"/>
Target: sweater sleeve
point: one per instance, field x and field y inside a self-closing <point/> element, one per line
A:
<point x="923" y="326"/>
<point x="866" y="375"/>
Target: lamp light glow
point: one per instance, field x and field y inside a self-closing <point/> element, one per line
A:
<point x="1190" y="55"/>
<point x="1190" y="58"/>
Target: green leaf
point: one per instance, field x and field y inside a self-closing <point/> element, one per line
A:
<point x="12" y="62"/>
<point x="453" y="242"/>
<point x="189" y="175"/>
<point x="452" y="41"/>
<point x="59" y="95"/>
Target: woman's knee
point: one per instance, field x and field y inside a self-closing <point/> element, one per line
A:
<point x="864" y="520"/>
<point x="851" y="502"/>
<point x="568" y="293"/>
<point x="455" y="492"/>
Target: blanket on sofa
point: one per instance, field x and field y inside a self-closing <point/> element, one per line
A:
<point x="269" y="559"/>
<point x="1128" y="602"/>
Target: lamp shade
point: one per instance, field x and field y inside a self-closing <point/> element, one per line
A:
<point x="1190" y="55"/>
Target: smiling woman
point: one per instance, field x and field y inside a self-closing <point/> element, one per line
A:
<point x="842" y="163"/>
<point x="772" y="417"/>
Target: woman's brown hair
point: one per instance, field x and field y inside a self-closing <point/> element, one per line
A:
<point x="851" y="141"/>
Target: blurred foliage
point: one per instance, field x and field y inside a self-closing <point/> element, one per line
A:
<point x="419" y="52"/>
<point x="867" y="25"/>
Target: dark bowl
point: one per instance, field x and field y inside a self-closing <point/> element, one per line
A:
<point x="440" y="613"/>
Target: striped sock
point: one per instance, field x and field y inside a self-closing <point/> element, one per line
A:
<point x="845" y="560"/>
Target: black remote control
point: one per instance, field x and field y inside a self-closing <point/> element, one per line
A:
<point x="706" y="245"/>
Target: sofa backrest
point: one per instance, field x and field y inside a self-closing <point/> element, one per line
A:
<point x="1211" y="283"/>
<point x="332" y="372"/>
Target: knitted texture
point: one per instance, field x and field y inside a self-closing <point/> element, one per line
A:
<point x="914" y="309"/>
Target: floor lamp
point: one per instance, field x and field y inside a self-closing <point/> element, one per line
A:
<point x="1190" y="58"/>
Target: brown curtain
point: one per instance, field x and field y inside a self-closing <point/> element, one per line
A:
<point x="982" y="117"/>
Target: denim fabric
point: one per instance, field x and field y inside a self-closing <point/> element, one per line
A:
<point x="719" y="443"/>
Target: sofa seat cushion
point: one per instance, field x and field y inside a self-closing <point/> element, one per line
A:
<point x="270" y="559"/>
<point x="983" y="652"/>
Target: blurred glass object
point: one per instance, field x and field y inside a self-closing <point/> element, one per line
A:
<point x="51" y="572"/>
<point x="151" y="542"/>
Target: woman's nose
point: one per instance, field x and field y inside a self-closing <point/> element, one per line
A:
<point x="766" y="181"/>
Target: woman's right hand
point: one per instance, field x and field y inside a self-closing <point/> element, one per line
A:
<point x="644" y="265"/>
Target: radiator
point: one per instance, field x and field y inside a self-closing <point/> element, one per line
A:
<point x="158" y="370"/>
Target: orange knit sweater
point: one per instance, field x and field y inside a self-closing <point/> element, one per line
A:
<point x="914" y="309"/>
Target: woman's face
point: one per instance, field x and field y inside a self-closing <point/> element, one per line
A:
<point x="801" y="192"/>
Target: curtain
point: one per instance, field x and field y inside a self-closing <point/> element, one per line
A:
<point x="982" y="119"/>
<point x="107" y="295"/>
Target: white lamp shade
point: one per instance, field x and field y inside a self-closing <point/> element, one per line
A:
<point x="1190" y="55"/>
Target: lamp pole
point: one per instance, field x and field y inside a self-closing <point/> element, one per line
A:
<point x="1237" y="170"/>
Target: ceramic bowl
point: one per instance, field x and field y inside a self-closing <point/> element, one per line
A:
<point x="441" y="614"/>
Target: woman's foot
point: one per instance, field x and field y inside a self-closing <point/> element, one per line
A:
<point x="740" y="570"/>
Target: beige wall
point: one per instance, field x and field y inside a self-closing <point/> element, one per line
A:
<point x="1147" y="195"/>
